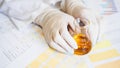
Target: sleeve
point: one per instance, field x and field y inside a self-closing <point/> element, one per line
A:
<point x="23" y="9"/>
<point x="1" y="1"/>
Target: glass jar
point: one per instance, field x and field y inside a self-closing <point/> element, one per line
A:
<point x="83" y="42"/>
<point x="82" y="39"/>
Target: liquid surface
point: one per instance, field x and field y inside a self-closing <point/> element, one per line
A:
<point x="84" y="44"/>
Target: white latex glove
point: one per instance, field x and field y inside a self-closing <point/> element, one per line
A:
<point x="89" y="17"/>
<point x="54" y="24"/>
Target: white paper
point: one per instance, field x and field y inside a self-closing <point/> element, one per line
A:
<point x="19" y="47"/>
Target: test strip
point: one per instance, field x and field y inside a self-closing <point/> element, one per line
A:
<point x="42" y="58"/>
<point x="114" y="64"/>
<point x="104" y="55"/>
<point x="34" y="64"/>
<point x="102" y="44"/>
<point x="82" y="65"/>
<point x="53" y="62"/>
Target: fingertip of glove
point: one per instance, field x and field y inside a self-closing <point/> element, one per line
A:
<point x="71" y="51"/>
<point x="75" y="46"/>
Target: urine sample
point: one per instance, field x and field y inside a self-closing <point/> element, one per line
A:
<point x="83" y="40"/>
<point x="84" y="44"/>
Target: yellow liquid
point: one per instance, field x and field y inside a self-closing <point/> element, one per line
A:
<point x="84" y="44"/>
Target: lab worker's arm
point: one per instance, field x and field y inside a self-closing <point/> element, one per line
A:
<point x="22" y="9"/>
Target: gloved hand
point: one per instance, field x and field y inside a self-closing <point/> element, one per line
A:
<point x="54" y="25"/>
<point x="89" y="17"/>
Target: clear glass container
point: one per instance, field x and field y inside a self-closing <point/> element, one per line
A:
<point x="82" y="39"/>
<point x="83" y="42"/>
